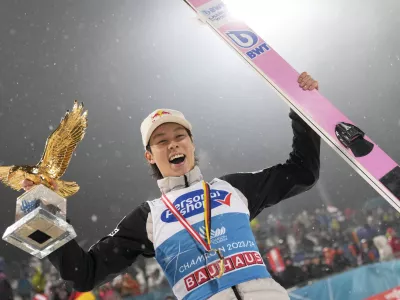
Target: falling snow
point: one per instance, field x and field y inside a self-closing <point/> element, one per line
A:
<point x="59" y="50"/>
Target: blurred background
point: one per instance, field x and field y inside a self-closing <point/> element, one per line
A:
<point x="124" y="59"/>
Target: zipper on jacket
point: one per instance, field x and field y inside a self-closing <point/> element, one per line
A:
<point x="236" y="292"/>
<point x="186" y="181"/>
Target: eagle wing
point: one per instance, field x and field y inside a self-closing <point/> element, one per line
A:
<point x="61" y="144"/>
<point x="66" y="188"/>
<point x="12" y="176"/>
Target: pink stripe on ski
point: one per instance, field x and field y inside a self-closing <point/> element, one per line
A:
<point x="312" y="102"/>
<point x="197" y="3"/>
<point x="322" y="112"/>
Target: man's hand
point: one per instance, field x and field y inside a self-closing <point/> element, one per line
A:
<point x="28" y="184"/>
<point x="306" y="82"/>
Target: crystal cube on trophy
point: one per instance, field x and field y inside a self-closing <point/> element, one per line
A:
<point x="41" y="225"/>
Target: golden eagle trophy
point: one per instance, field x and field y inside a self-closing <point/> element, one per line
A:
<point x="40" y="216"/>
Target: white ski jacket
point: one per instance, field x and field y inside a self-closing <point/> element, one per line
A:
<point x="152" y="231"/>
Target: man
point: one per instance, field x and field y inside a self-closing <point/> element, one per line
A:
<point x="292" y="275"/>
<point x="198" y="232"/>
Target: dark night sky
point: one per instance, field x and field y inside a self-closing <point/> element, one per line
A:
<point x="124" y="59"/>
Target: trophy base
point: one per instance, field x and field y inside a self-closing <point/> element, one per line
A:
<point x="39" y="233"/>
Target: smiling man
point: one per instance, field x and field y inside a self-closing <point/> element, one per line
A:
<point x="198" y="231"/>
<point x="161" y="128"/>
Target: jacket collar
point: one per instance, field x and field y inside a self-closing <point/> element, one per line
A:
<point x="169" y="184"/>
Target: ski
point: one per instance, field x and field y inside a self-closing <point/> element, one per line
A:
<point x="348" y="140"/>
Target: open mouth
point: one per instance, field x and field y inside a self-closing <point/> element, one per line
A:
<point x="177" y="159"/>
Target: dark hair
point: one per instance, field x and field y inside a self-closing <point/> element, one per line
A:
<point x="155" y="171"/>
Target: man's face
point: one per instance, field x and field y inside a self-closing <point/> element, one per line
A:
<point x="172" y="150"/>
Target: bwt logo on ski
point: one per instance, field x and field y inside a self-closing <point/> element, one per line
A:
<point x="213" y="9"/>
<point x="192" y="204"/>
<point x="243" y="38"/>
<point x="247" y="39"/>
<point x="215" y="13"/>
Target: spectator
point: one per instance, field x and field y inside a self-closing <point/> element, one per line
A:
<point x="368" y="255"/>
<point x="306" y="268"/>
<point x="319" y="268"/>
<point x="292" y="275"/>
<point x="394" y="241"/>
<point x="24" y="287"/>
<point x="384" y="249"/>
<point x="340" y="262"/>
<point x="59" y="292"/>
<point x="6" y="292"/>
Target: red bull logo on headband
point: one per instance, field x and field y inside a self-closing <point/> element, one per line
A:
<point x="159" y="114"/>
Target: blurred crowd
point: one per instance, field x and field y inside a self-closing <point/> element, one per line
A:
<point x="39" y="280"/>
<point x="311" y="245"/>
<point x="297" y="249"/>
